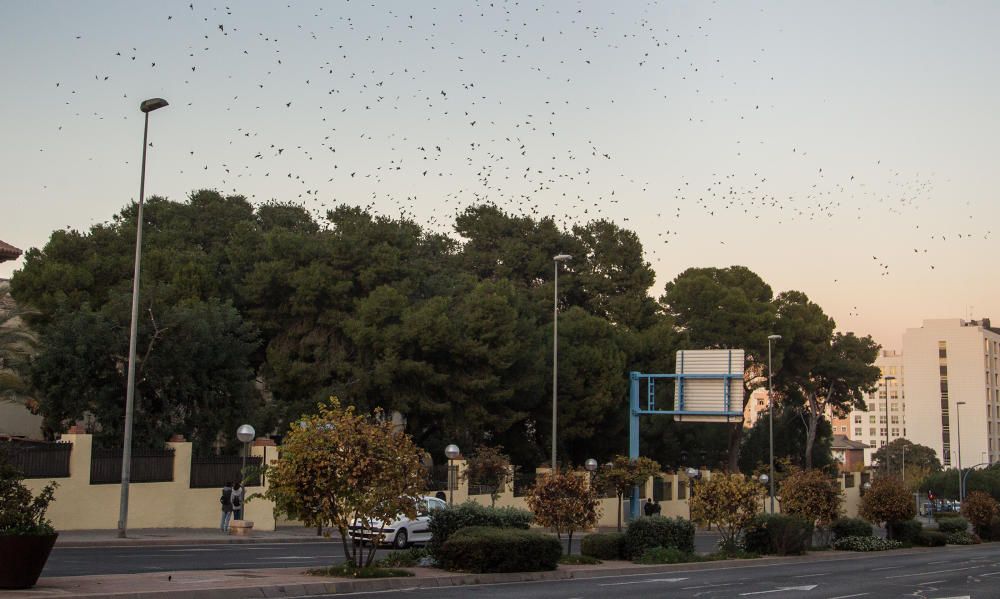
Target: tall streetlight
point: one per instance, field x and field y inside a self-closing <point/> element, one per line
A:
<point x="958" y="430"/>
<point x="770" y="414"/>
<point x="555" y="349"/>
<point x="887" y="379"/>
<point x="146" y="107"/>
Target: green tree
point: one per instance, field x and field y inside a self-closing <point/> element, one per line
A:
<point x="17" y="342"/>
<point x="887" y="501"/>
<point x="729" y="501"/>
<point x="565" y="503"/>
<point x="790" y="425"/>
<point x="345" y="469"/>
<point x="489" y="466"/>
<point x="718" y="308"/>
<point x="921" y="461"/>
<point x="623" y="474"/>
<point x="813" y="495"/>
<point x="821" y="370"/>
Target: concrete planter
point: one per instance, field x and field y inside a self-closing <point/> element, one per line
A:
<point x="241" y="528"/>
<point x="22" y="558"/>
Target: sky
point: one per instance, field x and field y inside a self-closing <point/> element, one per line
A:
<point x="846" y="150"/>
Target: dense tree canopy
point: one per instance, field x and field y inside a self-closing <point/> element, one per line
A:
<point x="256" y="313"/>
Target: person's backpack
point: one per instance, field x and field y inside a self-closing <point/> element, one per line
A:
<point x="226" y="497"/>
<point x="236" y="501"/>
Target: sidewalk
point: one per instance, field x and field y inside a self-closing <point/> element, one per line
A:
<point x="292" y="582"/>
<point x="186" y="536"/>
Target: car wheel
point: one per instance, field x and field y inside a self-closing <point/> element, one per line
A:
<point x="401" y="541"/>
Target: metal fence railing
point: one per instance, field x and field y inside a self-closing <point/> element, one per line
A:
<point x="39" y="459"/>
<point x="215" y="471"/>
<point x="148" y="466"/>
<point x="437" y="478"/>
<point x="523" y="482"/>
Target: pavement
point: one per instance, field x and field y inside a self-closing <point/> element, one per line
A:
<point x="294" y="582"/>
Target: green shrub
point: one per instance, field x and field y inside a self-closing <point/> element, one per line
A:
<point x="665" y="555"/>
<point x="403" y="559"/>
<point x="963" y="538"/>
<point x="444" y="523"/>
<point x="778" y="534"/>
<point x="351" y="571"/>
<point x="931" y="538"/>
<point x="938" y="516"/>
<point x="906" y="531"/>
<point x="604" y="545"/>
<point x="656" y="531"/>
<point x="865" y="544"/>
<point x="991" y="532"/>
<point x="850" y="527"/>
<point x="484" y="549"/>
<point x="956" y="524"/>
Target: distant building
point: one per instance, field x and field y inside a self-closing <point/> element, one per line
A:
<point x="8" y="252"/>
<point x="885" y="418"/>
<point x="849" y="455"/>
<point x="949" y="362"/>
<point x="756" y="406"/>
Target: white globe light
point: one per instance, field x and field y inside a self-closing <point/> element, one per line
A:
<point x="590" y="464"/>
<point x="452" y="451"/>
<point x="245" y="433"/>
<point x="764" y="478"/>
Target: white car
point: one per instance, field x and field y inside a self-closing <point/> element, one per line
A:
<point x="403" y="532"/>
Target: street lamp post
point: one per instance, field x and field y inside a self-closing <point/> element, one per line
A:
<point x="452" y="452"/>
<point x="763" y="480"/>
<point x="245" y="434"/>
<point x="958" y="431"/>
<point x="591" y="466"/>
<point x="770" y="416"/>
<point x="887" y="379"/>
<point x="555" y="349"/>
<point x="146" y="107"/>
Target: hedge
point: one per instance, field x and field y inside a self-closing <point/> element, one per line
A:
<point x="905" y="531"/>
<point x="850" y="527"/>
<point x="865" y="544"/>
<point x="656" y="531"/>
<point x="778" y="534"/>
<point x="950" y="525"/>
<point x="444" y="523"/>
<point x="963" y="538"/>
<point x="484" y="549"/>
<point x="604" y="545"/>
<point x="932" y="538"/>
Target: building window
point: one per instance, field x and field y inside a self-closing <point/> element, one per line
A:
<point x="895" y="432"/>
<point x="871" y="419"/>
<point x="857" y="431"/>
<point x="871" y="431"/>
<point x="857" y="418"/>
<point x="945" y="429"/>
<point x="881" y="419"/>
<point x="894" y="407"/>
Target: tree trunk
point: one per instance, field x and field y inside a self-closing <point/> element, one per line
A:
<point x="619" y="512"/>
<point x="569" y="544"/>
<point x="813" y="420"/>
<point x="735" y="438"/>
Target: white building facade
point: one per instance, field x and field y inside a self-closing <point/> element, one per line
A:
<point x="953" y="389"/>
<point x="885" y="419"/>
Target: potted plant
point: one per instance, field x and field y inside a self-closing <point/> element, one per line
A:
<point x="26" y="536"/>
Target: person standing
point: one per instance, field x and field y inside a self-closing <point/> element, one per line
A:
<point x="649" y="508"/>
<point x="227" y="506"/>
<point x="238" y="491"/>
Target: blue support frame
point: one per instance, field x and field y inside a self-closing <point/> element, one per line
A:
<point x="635" y="410"/>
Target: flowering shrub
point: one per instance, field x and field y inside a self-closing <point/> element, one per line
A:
<point x="865" y="544"/>
<point x="980" y="509"/>
<point x="730" y="502"/>
<point x="963" y="538"/>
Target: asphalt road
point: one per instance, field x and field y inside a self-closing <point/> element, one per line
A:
<point x="953" y="573"/>
<point x="130" y="559"/>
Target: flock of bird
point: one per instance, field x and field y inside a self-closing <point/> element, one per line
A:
<point x="501" y="115"/>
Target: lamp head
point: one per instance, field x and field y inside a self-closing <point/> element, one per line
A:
<point x="152" y="104"/>
<point x="452" y="451"/>
<point x="590" y="465"/>
<point x="562" y="257"/>
<point x="764" y="478"/>
<point x="245" y="433"/>
<point x="773" y="337"/>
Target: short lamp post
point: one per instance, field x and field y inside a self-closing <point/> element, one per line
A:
<point x="764" y="480"/>
<point x="452" y="452"/>
<point x="246" y="435"/>
<point x="865" y="487"/>
<point x="591" y="466"/>
<point x="146" y="107"/>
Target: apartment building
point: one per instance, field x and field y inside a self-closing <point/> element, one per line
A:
<point x="953" y="389"/>
<point x="885" y="419"/>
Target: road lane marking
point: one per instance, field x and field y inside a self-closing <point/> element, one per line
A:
<point x="933" y="572"/>
<point x="848" y="596"/>
<point x="782" y="589"/>
<point x="615" y="584"/>
<point x="887" y="568"/>
<point x="808" y="575"/>
<point x="920" y="584"/>
<point x="709" y="586"/>
<point x="990" y="574"/>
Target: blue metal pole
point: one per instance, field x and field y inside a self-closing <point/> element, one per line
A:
<point x="633" y="436"/>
